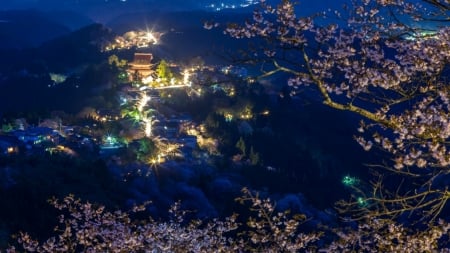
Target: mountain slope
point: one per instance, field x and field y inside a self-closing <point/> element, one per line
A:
<point x="29" y="28"/>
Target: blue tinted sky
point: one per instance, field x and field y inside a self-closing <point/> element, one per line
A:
<point x="104" y="10"/>
<point x="175" y="4"/>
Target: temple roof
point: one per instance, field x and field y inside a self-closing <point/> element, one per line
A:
<point x="142" y="58"/>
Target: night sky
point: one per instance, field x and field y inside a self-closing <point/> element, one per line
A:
<point x="90" y="5"/>
<point x="104" y="11"/>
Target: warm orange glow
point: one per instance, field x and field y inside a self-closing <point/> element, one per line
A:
<point x="266" y="112"/>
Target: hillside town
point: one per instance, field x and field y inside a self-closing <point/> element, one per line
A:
<point x="141" y="118"/>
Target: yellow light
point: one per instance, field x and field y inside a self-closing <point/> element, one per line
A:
<point x="147" y="80"/>
<point x="143" y="102"/>
<point x="10" y="150"/>
<point x="228" y="117"/>
<point x="186" y="76"/>
<point x="148" y="127"/>
<point x="152" y="37"/>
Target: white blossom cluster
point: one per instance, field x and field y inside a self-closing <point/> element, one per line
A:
<point x="353" y="61"/>
<point x="90" y="228"/>
<point x="379" y="235"/>
<point x="378" y="62"/>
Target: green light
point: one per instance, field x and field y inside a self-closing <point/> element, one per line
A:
<point x="361" y="201"/>
<point x="350" y="181"/>
<point x="110" y="140"/>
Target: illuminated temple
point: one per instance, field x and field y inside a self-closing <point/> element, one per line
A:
<point x="141" y="66"/>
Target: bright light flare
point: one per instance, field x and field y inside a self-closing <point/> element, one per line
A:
<point x="151" y="37"/>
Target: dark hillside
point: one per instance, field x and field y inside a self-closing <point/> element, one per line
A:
<point x="27" y="28"/>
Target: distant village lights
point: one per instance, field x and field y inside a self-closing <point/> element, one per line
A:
<point x="350" y="181"/>
<point x="130" y="39"/>
<point x="186" y="76"/>
<point x="222" y="6"/>
<point x="151" y="37"/>
<point x="147" y="80"/>
<point x="143" y="102"/>
<point x="148" y="126"/>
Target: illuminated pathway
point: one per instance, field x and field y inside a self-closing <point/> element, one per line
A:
<point x="172" y="86"/>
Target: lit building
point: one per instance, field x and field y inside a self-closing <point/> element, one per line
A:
<point x="8" y="145"/>
<point x="141" y="66"/>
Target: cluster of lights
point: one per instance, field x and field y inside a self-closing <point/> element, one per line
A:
<point x="61" y="149"/>
<point x="233" y="70"/>
<point x="110" y="140"/>
<point x="142" y="102"/>
<point x="57" y="78"/>
<point x="428" y="34"/>
<point x="223" y="6"/>
<point x="350" y="181"/>
<point x="160" y="83"/>
<point x="157" y="160"/>
<point x="148" y="125"/>
<point x="228" y="117"/>
<point x="186" y="76"/>
<point x="140" y="39"/>
<point x="143" y="115"/>
<point x="150" y="38"/>
<point x="246" y="116"/>
<point x="166" y="150"/>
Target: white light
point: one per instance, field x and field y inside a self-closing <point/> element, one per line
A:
<point x="148" y="127"/>
<point x="152" y="37"/>
<point x="143" y="102"/>
<point x="186" y="76"/>
<point x="147" y="80"/>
